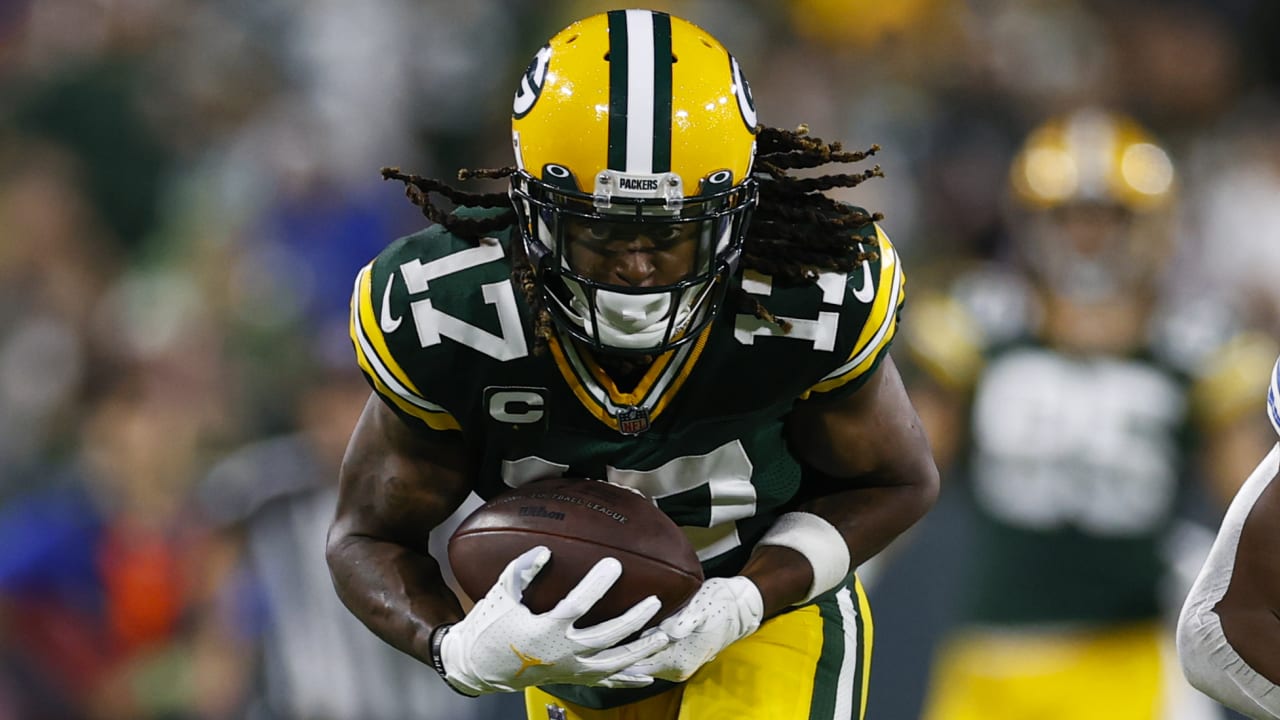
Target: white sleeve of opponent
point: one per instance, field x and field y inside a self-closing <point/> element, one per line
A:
<point x="1273" y="397"/>
<point x="1208" y="660"/>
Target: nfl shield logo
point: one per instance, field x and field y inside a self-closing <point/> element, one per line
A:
<point x="555" y="712"/>
<point x="632" y="420"/>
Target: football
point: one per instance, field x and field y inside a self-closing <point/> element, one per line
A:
<point x="580" y="521"/>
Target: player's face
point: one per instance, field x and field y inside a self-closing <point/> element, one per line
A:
<point x="1091" y="230"/>
<point x="1093" y="253"/>
<point x="631" y="254"/>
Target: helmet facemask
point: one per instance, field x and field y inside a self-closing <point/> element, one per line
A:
<point x="1089" y="253"/>
<point x="560" y="225"/>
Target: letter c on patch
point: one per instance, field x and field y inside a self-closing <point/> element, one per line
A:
<point x="516" y="406"/>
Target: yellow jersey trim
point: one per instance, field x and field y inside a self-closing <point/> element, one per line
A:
<point x="374" y="358"/>
<point x="599" y="394"/>
<point x="881" y="324"/>
<point x="868" y="640"/>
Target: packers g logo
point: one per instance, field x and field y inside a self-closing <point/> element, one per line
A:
<point x="742" y="91"/>
<point x="531" y="84"/>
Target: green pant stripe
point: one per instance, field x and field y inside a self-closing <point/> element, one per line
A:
<point x="838" y="686"/>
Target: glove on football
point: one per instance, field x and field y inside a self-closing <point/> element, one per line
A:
<point x="502" y="646"/>
<point x="721" y="612"/>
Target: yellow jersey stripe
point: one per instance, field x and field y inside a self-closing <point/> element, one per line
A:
<point x="384" y="380"/>
<point x="597" y="392"/>
<point x="669" y="393"/>
<point x="881" y="325"/>
<point x="434" y="420"/>
<point x="884" y="304"/>
<point x="368" y="323"/>
<point x="635" y="397"/>
<point x="868" y="640"/>
<point x="579" y="388"/>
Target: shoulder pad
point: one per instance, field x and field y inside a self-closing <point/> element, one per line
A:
<point x="1000" y="302"/>
<point x="429" y="304"/>
<point x="950" y="334"/>
<point x="839" y="327"/>
<point x="944" y="340"/>
<point x="1225" y="387"/>
<point x="1187" y="334"/>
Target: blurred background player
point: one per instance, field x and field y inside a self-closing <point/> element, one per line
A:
<point x="1229" y="629"/>
<point x="1073" y="400"/>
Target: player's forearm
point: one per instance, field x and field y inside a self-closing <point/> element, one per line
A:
<point x="398" y="593"/>
<point x="1250" y="605"/>
<point x="869" y="471"/>
<point x="1254" y="632"/>
<point x="395" y="484"/>
<point x="1212" y="664"/>
<point x="867" y="519"/>
<point x="1228" y="629"/>
<point x="783" y="576"/>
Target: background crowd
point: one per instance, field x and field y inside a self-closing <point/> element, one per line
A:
<point x="187" y="188"/>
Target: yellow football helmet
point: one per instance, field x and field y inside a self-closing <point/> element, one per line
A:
<point x="1092" y="156"/>
<point x="1092" y="192"/>
<point x="633" y="120"/>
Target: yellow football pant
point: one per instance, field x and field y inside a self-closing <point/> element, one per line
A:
<point x="807" y="664"/>
<point x="1113" y="674"/>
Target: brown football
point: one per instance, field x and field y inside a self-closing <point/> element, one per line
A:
<point x="580" y="521"/>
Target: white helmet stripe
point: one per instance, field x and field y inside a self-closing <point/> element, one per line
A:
<point x="639" y="91"/>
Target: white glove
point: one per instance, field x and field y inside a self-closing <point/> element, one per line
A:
<point x="502" y="646"/>
<point x="723" y="611"/>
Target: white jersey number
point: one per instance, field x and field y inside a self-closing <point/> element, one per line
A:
<point x="1091" y="444"/>
<point x="432" y="324"/>
<point x="725" y="472"/>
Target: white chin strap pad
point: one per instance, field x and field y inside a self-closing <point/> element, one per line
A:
<point x="632" y="313"/>
<point x="630" y="321"/>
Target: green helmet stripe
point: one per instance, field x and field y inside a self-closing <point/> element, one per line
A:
<point x="617" y="159"/>
<point x="662" y="99"/>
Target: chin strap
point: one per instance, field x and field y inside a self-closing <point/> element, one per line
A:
<point x="632" y="321"/>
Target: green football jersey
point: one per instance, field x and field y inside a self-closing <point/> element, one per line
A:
<point x="1077" y="464"/>
<point x="441" y="333"/>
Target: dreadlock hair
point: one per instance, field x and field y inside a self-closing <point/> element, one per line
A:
<point x="795" y="232"/>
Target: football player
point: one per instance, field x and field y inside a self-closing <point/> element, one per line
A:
<point x="1229" y="630"/>
<point x="1084" y="399"/>
<point x="657" y="301"/>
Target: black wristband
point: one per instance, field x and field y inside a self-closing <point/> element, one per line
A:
<point x="436" y="641"/>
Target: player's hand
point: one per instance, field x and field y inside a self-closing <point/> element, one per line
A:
<point x="502" y="646"/>
<point x="723" y="611"/>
